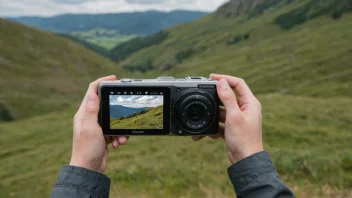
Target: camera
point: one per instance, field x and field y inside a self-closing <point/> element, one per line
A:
<point x="159" y="107"/>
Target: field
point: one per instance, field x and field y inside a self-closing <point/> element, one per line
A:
<point x="309" y="140"/>
<point x="150" y="118"/>
<point x="107" y="39"/>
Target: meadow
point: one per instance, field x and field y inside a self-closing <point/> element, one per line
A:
<point x="309" y="141"/>
<point x="107" y="39"/>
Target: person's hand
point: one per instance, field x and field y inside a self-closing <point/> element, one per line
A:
<point x="90" y="147"/>
<point x="240" y="121"/>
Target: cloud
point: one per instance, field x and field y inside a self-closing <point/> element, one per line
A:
<point x="54" y="7"/>
<point x="145" y="2"/>
<point x="72" y="1"/>
<point x="137" y="101"/>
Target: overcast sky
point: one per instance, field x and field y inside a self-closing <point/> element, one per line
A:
<point x="137" y="101"/>
<point x="55" y="7"/>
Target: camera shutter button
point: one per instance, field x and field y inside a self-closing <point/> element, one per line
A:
<point x="126" y="80"/>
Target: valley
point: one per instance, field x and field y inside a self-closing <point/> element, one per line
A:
<point x="301" y="73"/>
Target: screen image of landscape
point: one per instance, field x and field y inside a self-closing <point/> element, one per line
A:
<point x="136" y="111"/>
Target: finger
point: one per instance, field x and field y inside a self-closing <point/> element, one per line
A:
<point x="93" y="88"/>
<point x="238" y="84"/>
<point x="221" y="130"/>
<point x="227" y="96"/>
<point x="89" y="108"/>
<point x="108" y="140"/>
<point x="115" y="143"/>
<point x="197" y="138"/>
<point x="222" y="115"/>
<point x="122" y="140"/>
<point x="215" y="137"/>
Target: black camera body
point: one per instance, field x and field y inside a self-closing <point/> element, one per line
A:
<point x="159" y="107"/>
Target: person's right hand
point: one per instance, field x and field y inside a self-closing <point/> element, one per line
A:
<point x="241" y="120"/>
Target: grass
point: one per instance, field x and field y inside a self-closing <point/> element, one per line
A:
<point x="308" y="59"/>
<point x="309" y="140"/>
<point x="42" y="72"/>
<point x="151" y="118"/>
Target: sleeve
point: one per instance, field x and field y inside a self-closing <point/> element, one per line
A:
<point x="255" y="176"/>
<point x="76" y="182"/>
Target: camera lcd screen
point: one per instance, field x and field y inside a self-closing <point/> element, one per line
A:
<point x="135" y="111"/>
<point x="143" y="111"/>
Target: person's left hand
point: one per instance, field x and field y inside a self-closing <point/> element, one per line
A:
<point x="90" y="147"/>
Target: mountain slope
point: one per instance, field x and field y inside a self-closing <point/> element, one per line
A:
<point x="139" y="23"/>
<point x="149" y="118"/>
<point x="118" y="111"/>
<point x="309" y="59"/>
<point x="42" y="72"/>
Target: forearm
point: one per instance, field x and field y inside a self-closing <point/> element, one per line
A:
<point x="255" y="176"/>
<point x="76" y="182"/>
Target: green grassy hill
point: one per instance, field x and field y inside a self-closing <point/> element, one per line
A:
<point x="151" y="118"/>
<point x="42" y="72"/>
<point x="307" y="59"/>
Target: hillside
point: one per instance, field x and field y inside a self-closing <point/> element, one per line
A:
<point x="150" y="118"/>
<point x="42" y="72"/>
<point x="310" y="143"/>
<point x="261" y="49"/>
<point x="137" y="23"/>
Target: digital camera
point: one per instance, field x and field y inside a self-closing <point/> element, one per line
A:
<point x="159" y="107"/>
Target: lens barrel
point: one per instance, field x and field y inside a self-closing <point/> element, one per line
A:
<point x="194" y="111"/>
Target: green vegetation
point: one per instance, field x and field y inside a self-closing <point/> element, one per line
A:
<point x="312" y="10"/>
<point x="125" y="49"/>
<point x="42" y="72"/>
<point x="107" y="39"/>
<point x="5" y="114"/>
<point x="151" y="118"/>
<point x="93" y="47"/>
<point x="301" y="75"/>
<point x="308" y="138"/>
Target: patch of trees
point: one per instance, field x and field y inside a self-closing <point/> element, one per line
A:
<point x="238" y="38"/>
<point x="5" y="114"/>
<point x="142" y="67"/>
<point x="313" y="9"/>
<point x="183" y="54"/>
<point x="122" y="51"/>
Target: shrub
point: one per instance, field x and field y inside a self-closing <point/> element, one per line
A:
<point x="5" y="114"/>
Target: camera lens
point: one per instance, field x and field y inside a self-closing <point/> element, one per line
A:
<point x="194" y="111"/>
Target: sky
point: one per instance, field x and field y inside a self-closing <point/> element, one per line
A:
<point x="15" y="8"/>
<point x="137" y="101"/>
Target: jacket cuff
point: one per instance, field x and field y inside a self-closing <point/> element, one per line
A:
<point x="245" y="171"/>
<point x="84" y="180"/>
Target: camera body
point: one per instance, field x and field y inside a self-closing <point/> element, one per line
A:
<point x="159" y="107"/>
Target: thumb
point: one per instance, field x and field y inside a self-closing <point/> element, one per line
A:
<point x="227" y="96"/>
<point x="91" y="108"/>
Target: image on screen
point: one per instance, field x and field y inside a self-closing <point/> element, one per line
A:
<point x="136" y="111"/>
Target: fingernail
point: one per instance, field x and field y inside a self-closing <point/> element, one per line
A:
<point x="223" y="84"/>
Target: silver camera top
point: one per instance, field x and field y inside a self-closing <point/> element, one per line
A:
<point x="161" y="81"/>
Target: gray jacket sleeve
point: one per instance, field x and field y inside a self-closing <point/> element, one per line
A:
<point x="255" y="176"/>
<point x="76" y="182"/>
